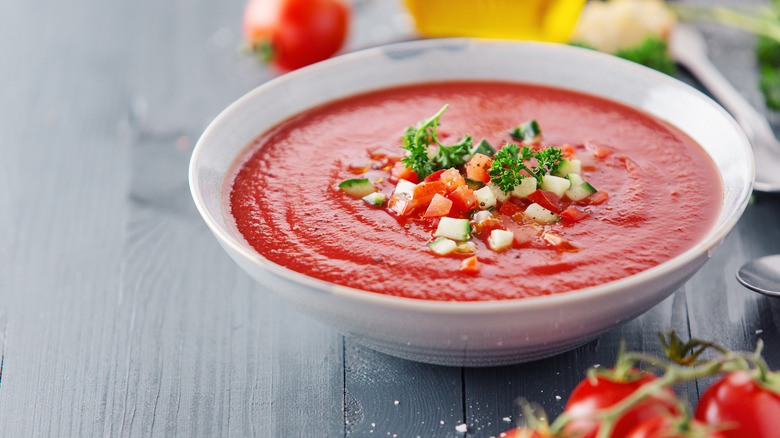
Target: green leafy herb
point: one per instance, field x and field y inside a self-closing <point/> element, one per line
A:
<point x="506" y="172"/>
<point x="770" y="86"/>
<point x="507" y="165"/>
<point x="768" y="55"/>
<point x="652" y="53"/>
<point x="419" y="138"/>
<point x="454" y="155"/>
<point x="526" y="131"/>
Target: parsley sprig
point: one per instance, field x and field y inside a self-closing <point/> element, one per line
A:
<point x="506" y="172"/>
<point x="419" y="138"/>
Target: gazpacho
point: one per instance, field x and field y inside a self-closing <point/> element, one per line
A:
<point x="472" y="191"/>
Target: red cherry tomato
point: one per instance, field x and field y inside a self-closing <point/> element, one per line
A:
<point x="592" y="395"/>
<point x="741" y="406"/>
<point x="665" y="427"/>
<point x="296" y="32"/>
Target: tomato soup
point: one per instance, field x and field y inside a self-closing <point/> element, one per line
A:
<point x="652" y="193"/>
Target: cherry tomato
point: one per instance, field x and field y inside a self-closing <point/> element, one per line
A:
<point x="591" y="395"/>
<point x="741" y="406"/>
<point x="295" y="33"/>
<point x="669" y="427"/>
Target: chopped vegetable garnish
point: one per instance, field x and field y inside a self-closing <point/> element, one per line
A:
<point x="511" y="164"/>
<point x="419" y="138"/>
<point x="484" y="148"/>
<point x="465" y="194"/>
<point x="527" y="132"/>
<point x="357" y="187"/>
<point x="470" y="265"/>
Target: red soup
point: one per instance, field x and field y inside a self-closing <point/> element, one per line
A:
<point x="509" y="191"/>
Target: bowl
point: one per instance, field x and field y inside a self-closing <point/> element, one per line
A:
<point x="473" y="333"/>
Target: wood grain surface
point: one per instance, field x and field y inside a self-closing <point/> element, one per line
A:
<point x="120" y="315"/>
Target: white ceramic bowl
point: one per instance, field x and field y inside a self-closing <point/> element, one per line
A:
<point x="473" y="333"/>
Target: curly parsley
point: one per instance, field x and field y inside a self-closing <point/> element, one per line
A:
<point x="506" y="172"/>
<point x="419" y="139"/>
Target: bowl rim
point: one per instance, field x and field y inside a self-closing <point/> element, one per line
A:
<point x="710" y="241"/>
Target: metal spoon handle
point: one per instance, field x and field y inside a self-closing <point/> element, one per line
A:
<point x="689" y="49"/>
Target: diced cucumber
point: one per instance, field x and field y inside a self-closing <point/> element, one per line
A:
<point x="474" y="185"/>
<point x="404" y="187"/>
<point x="485" y="198"/>
<point x="500" y="239"/>
<point x="442" y="246"/>
<point x="569" y="166"/>
<point x="526" y="187"/>
<point x="580" y="191"/>
<point x="498" y="193"/>
<point x="481" y="215"/>
<point x="540" y="215"/>
<point x="375" y="198"/>
<point x="575" y="179"/>
<point x="484" y="148"/>
<point x="526" y="132"/>
<point x="467" y="247"/>
<point x="456" y="229"/>
<point x="357" y="188"/>
<point x="555" y="184"/>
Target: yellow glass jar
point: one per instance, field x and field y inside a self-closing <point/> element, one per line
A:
<point x="541" y="20"/>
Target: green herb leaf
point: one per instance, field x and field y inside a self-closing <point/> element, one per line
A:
<point x="770" y="86"/>
<point x="505" y="172"/>
<point x="454" y="155"/>
<point x="419" y="138"/>
<point x="511" y="161"/>
<point x="768" y="55"/>
<point x="652" y="53"/>
<point x="548" y="160"/>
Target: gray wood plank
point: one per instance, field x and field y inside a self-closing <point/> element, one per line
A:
<point x="121" y="314"/>
<point x="388" y="396"/>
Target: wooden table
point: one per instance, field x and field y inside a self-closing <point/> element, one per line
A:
<point x="120" y="315"/>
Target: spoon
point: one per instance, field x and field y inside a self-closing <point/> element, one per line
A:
<point x="762" y="275"/>
<point x="687" y="47"/>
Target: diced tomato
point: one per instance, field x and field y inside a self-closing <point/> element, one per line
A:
<point x="482" y="230"/>
<point x="463" y="199"/>
<point x="439" y="206"/>
<point x="470" y="265"/>
<point x="477" y="168"/>
<point x="509" y="209"/>
<point x="573" y="214"/>
<point x="401" y="171"/>
<point x="526" y="235"/>
<point x="452" y="179"/>
<point x="435" y="176"/>
<point x="546" y="199"/>
<point x="597" y="198"/>
<point x="568" y="151"/>
<point x="559" y="242"/>
<point x="599" y="152"/>
<point x="400" y="205"/>
<point x="425" y="191"/>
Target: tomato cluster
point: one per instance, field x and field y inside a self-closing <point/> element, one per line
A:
<point x="624" y="402"/>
